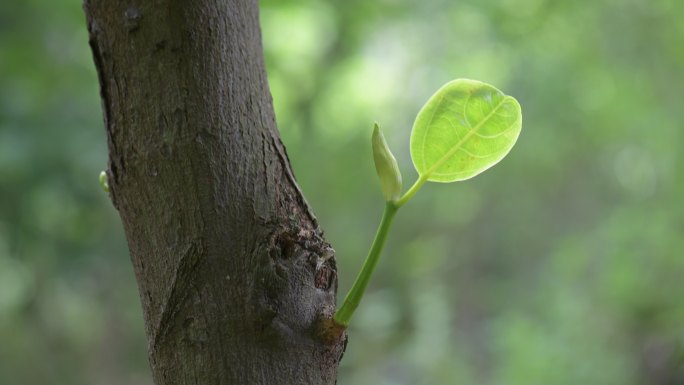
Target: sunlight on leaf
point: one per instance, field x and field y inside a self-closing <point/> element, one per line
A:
<point x="465" y="128"/>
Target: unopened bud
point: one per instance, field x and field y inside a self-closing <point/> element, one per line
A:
<point x="386" y="166"/>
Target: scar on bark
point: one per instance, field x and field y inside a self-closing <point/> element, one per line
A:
<point x="291" y="252"/>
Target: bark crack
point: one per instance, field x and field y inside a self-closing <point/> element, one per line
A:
<point x="285" y="163"/>
<point x="179" y="290"/>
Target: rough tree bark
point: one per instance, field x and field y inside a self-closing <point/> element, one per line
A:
<point x="236" y="281"/>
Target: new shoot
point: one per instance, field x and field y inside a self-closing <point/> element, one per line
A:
<point x="465" y="128"/>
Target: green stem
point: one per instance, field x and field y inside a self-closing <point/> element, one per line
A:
<point x="411" y="191"/>
<point x="351" y="301"/>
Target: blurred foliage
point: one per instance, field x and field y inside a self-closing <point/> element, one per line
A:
<point x="561" y="265"/>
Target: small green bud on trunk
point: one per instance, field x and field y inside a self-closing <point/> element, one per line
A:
<point x="103" y="181"/>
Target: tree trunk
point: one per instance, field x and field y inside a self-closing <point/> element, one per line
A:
<point x="236" y="282"/>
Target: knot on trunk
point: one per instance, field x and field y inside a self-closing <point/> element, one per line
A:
<point x="296" y="283"/>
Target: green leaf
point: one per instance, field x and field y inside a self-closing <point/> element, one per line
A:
<point x="465" y="128"/>
<point x="386" y="166"/>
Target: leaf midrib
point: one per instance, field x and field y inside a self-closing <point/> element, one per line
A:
<point x="458" y="145"/>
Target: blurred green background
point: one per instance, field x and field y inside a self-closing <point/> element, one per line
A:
<point x="561" y="265"/>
